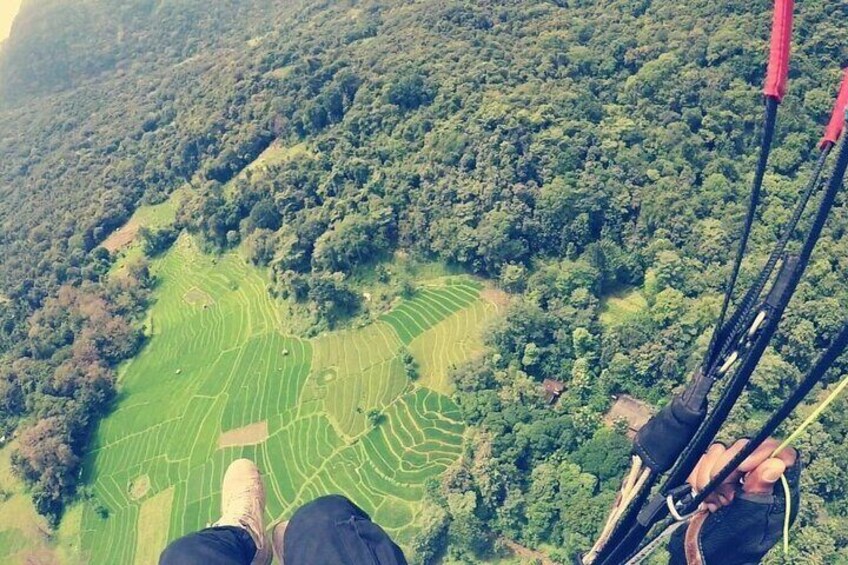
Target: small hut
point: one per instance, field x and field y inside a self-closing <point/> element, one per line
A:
<point x="553" y="390"/>
<point x="635" y="412"/>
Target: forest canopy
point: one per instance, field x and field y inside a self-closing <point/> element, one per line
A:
<point x="570" y="150"/>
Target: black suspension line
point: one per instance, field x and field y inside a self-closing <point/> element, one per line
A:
<point x="741" y="319"/>
<point x="815" y="375"/>
<point x="771" y="105"/>
<point x="777" y="302"/>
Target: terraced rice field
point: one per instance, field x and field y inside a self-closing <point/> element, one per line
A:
<point x="219" y="360"/>
<point x="455" y="339"/>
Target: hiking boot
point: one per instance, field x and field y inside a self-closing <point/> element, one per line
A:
<point x="277" y="540"/>
<point x="243" y="505"/>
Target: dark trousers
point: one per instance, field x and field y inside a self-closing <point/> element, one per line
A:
<point x="227" y="545"/>
<point x="328" y="531"/>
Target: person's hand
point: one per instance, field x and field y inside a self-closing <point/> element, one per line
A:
<point x="757" y="474"/>
<point x="742" y="519"/>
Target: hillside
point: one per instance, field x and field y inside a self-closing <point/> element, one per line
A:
<point x="220" y="379"/>
<point x="592" y="158"/>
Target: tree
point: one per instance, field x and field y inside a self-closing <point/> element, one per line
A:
<point x="410" y="365"/>
<point x="46" y="460"/>
<point x="156" y="242"/>
<point x="375" y="417"/>
<point x="354" y="240"/>
<point x="604" y="456"/>
<point x="542" y="509"/>
<point x="466" y="534"/>
<point x="584" y="343"/>
<point x="409" y="90"/>
<point x="331" y="298"/>
<point x="513" y="277"/>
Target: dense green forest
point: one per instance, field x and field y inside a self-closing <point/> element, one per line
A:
<point x="568" y="149"/>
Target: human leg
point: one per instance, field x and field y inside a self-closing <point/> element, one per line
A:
<point x="331" y="530"/>
<point x="238" y="537"/>
<point x="224" y="545"/>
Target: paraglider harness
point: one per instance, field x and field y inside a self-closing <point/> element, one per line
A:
<point x="672" y="442"/>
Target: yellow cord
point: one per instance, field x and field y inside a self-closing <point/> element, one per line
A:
<point x="798" y="431"/>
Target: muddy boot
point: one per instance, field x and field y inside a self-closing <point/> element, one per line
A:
<point x="243" y="505"/>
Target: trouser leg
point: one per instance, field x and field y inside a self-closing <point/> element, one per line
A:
<point x="225" y="545"/>
<point x="334" y="531"/>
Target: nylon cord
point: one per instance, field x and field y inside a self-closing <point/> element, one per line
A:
<point x="787" y="515"/>
<point x="706" y="432"/>
<point x="814" y="416"/>
<point x="792" y="437"/>
<point x="820" y="368"/>
<point x="740" y="318"/>
<point x="710" y="426"/>
<point x="765" y="149"/>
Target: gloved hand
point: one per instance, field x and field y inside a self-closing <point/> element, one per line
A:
<point x="744" y="517"/>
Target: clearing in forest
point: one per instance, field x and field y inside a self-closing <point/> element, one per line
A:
<point x="635" y="412"/>
<point x="125" y="240"/>
<point x="274" y="155"/>
<point x="619" y="307"/>
<point x="299" y="407"/>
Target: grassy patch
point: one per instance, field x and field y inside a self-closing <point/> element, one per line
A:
<point x="68" y="541"/>
<point x="619" y="307"/>
<point x="155" y="511"/>
<point x="232" y="363"/>
<point x="11" y="542"/>
<point x="125" y="242"/>
<point x="24" y="535"/>
<point x="456" y="338"/>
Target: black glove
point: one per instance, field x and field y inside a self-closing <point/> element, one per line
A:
<point x="740" y="533"/>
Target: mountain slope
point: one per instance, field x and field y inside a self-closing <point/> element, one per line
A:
<point x="566" y="148"/>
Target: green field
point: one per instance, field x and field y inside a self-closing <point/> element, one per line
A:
<point x="125" y="243"/>
<point x="456" y="338"/>
<point x="219" y="358"/>
<point x="25" y="536"/>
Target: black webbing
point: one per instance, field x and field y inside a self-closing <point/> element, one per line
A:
<point x="705" y="434"/>
<point x="614" y="554"/>
<point x="738" y="320"/>
<point x="771" y="106"/>
<point x="756" y="189"/>
<point x="816" y="374"/>
<point x="728" y="397"/>
<point x="741" y="318"/>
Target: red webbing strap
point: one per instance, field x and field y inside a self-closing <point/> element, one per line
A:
<point x="837" y="120"/>
<point x="781" y="38"/>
